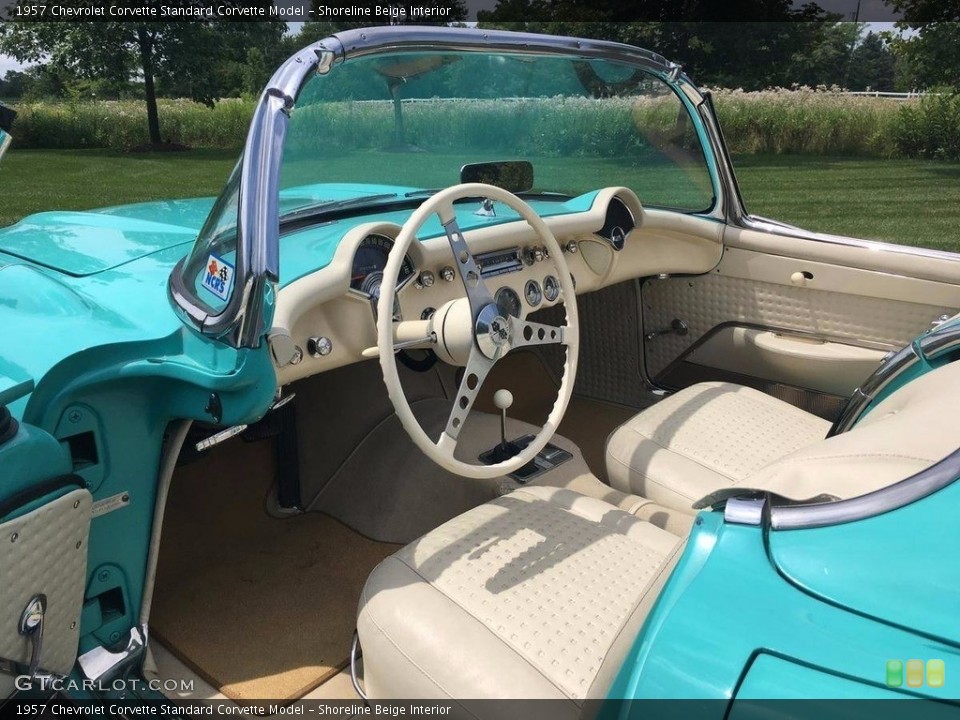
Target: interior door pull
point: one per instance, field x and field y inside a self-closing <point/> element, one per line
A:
<point x="31" y="625"/>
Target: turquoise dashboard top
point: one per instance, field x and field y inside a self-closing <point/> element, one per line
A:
<point x="71" y="282"/>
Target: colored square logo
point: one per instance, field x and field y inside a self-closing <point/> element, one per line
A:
<point x="914" y="673"/>
<point x="218" y="277"/>
<point x="894" y="673"/>
<point x="936" y="672"/>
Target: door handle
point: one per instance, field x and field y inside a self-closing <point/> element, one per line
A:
<point x="677" y="327"/>
<point x="31" y="625"/>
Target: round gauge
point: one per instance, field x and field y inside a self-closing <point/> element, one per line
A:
<point x="617" y="238"/>
<point x="533" y="293"/>
<point x="370" y="261"/>
<point x="551" y="288"/>
<point x="508" y="302"/>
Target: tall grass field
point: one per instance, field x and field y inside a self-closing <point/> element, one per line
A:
<point x="796" y="122"/>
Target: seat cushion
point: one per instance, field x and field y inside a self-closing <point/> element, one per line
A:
<point x="537" y="594"/>
<point x="704" y="438"/>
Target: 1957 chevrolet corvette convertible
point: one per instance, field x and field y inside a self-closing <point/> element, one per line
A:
<point x="476" y="381"/>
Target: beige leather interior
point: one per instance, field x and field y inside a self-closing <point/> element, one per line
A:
<point x="847" y="305"/>
<point x="714" y="440"/>
<point x="322" y="302"/>
<point x="538" y="594"/>
<point x="706" y="437"/>
<point x="799" y="360"/>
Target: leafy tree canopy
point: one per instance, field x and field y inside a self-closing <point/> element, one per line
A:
<point x="751" y="55"/>
<point x="191" y="58"/>
<point x="932" y="50"/>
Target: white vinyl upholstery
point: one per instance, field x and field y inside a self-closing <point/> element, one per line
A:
<point x="537" y="594"/>
<point x="705" y="437"/>
<point x="706" y="442"/>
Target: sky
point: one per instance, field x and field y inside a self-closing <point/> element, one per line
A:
<point x="874" y="10"/>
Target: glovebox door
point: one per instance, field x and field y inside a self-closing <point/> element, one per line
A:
<point x="806" y="320"/>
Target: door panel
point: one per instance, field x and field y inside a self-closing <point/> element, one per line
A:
<point x="44" y="552"/>
<point x="793" y="359"/>
<point x="794" y="320"/>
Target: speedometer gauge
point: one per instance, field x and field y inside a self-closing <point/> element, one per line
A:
<point x="370" y="261"/>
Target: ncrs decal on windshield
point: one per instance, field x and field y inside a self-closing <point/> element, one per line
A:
<point x="219" y="277"/>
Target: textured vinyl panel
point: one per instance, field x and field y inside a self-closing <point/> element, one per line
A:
<point x="706" y="301"/>
<point x="45" y="551"/>
<point x="609" y="368"/>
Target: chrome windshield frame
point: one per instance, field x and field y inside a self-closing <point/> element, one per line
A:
<point x="246" y="317"/>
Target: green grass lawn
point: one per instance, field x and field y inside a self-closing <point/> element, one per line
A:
<point x="911" y="202"/>
<point x="36" y="180"/>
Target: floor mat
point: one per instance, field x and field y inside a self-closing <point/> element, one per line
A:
<point x="262" y="608"/>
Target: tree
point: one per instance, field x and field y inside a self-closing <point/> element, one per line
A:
<point x="873" y="65"/>
<point x="931" y="53"/>
<point x="183" y="54"/>
<point x="751" y="55"/>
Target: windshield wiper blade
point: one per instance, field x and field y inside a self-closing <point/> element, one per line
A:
<point x="328" y="205"/>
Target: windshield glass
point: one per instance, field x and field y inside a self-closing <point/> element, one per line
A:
<point x="377" y="130"/>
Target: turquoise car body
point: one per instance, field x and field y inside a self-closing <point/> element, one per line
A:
<point x="91" y="339"/>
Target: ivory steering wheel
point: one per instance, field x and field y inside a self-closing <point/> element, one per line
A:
<point x="471" y="332"/>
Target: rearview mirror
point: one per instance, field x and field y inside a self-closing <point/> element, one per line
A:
<point x="515" y="175"/>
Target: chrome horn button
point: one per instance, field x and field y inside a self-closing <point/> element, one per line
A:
<point x="492" y="331"/>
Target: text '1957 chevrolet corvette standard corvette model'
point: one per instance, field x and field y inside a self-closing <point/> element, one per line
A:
<point x="477" y="381"/>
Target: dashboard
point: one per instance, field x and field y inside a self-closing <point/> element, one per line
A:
<point x="327" y="318"/>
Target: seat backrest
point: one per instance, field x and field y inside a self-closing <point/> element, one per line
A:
<point x="912" y="429"/>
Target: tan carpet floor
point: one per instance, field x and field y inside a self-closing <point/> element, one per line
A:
<point x="262" y="608"/>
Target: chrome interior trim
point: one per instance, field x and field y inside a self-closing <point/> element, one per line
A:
<point x="911" y="489"/>
<point x="366" y="41"/>
<point x="861" y="398"/>
<point x="729" y="206"/>
<point x="936" y="343"/>
<point x="356" y="653"/>
<point x="744" y="511"/>
<point x="102" y="664"/>
<point x="749" y="222"/>
<point x="940" y="341"/>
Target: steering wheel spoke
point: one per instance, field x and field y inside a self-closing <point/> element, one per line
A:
<point x="476" y="323"/>
<point x="478" y="367"/>
<point x="478" y="294"/>
<point x="527" y="332"/>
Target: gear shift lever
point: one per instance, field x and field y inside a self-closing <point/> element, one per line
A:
<point x="503" y="399"/>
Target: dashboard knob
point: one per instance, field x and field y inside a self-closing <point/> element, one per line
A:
<point x="538" y="254"/>
<point x="319" y="346"/>
<point x="448" y="274"/>
<point x="427" y="279"/>
<point x="571" y="247"/>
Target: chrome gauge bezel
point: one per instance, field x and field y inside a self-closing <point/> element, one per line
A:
<point x="508" y="294"/>
<point x="551" y="288"/>
<point x="532" y="293"/>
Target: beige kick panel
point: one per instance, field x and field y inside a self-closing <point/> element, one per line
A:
<point x="843" y="305"/>
<point x="45" y="552"/>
